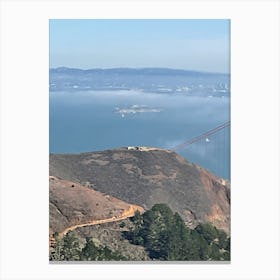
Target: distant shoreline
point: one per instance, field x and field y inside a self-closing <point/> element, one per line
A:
<point x="137" y="70"/>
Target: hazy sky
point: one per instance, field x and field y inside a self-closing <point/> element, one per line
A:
<point x="184" y="44"/>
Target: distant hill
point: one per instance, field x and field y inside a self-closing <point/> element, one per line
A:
<point x="148" y="176"/>
<point x="157" y="80"/>
<point x="131" y="71"/>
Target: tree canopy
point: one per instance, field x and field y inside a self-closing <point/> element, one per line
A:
<point x="166" y="237"/>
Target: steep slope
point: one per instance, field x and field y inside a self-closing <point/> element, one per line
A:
<point x="148" y="176"/>
<point x="72" y="206"/>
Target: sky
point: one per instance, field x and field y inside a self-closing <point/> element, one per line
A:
<point x="200" y="44"/>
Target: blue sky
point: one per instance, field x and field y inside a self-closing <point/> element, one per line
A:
<point x="182" y="44"/>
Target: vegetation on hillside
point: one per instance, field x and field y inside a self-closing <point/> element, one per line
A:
<point x="162" y="233"/>
<point x="69" y="249"/>
<point x="165" y="236"/>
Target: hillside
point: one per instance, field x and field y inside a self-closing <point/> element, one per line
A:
<point x="72" y="205"/>
<point x="149" y="176"/>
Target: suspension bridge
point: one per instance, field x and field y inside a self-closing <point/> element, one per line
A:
<point x="210" y="149"/>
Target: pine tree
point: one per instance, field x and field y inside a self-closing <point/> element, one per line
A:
<point x="90" y="251"/>
<point x="71" y="248"/>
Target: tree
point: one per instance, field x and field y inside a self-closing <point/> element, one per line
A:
<point x="71" y="249"/>
<point x="135" y="235"/>
<point x="90" y="251"/>
<point x="208" y="232"/>
<point x="178" y="237"/>
<point x="166" y="237"/>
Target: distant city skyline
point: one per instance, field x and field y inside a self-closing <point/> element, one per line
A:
<point x="190" y="44"/>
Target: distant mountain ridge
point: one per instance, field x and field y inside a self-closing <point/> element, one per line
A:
<point x="132" y="71"/>
<point x="157" y="80"/>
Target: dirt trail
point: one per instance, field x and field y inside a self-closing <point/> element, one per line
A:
<point x="126" y="214"/>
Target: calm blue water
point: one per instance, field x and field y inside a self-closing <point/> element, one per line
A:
<point x="86" y="121"/>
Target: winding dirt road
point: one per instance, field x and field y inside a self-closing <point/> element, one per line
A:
<point x="130" y="212"/>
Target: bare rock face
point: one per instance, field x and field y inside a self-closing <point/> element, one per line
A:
<point x="146" y="176"/>
<point x="218" y="192"/>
